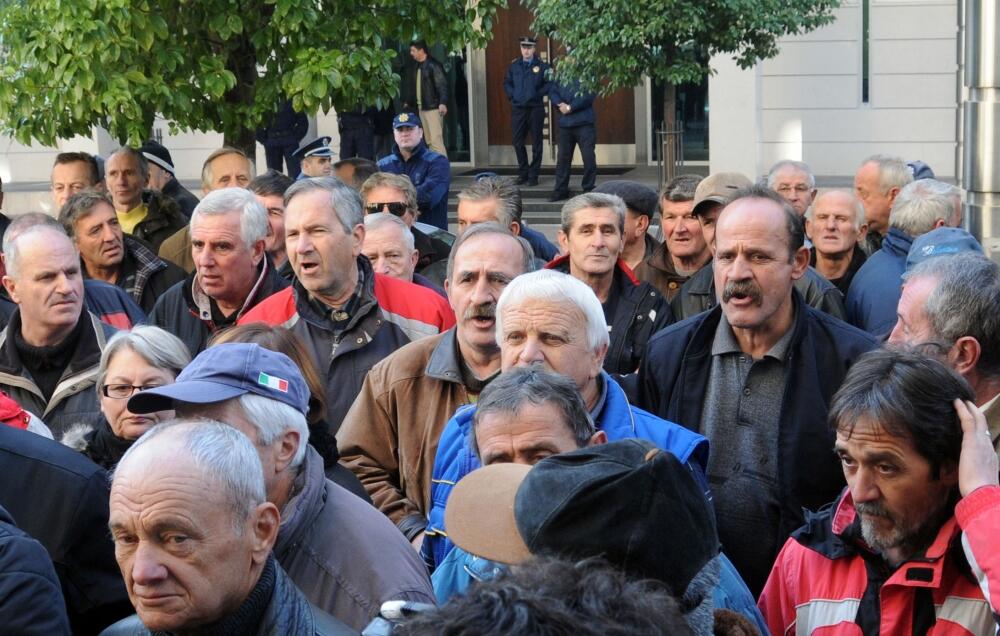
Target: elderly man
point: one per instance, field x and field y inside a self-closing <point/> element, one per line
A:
<point x="591" y="238"/>
<point x="348" y="316"/>
<point x="344" y="555"/>
<point x="494" y="199"/>
<point x="395" y="194"/>
<point x="51" y="348"/>
<point x="795" y="182"/>
<point x="390" y="435"/>
<point x="35" y="470"/>
<point x="950" y="310"/>
<point x="162" y="179"/>
<point x="902" y="549"/>
<point x="73" y="172"/>
<point x="919" y="207"/>
<point x="110" y="255"/>
<point x="390" y="248"/>
<point x="144" y="214"/>
<point x="835" y="223"/>
<point x="429" y="171"/>
<point x="553" y="320"/>
<point x="698" y="293"/>
<point x="269" y="188"/>
<point x="231" y="275"/>
<point x="877" y="182"/>
<point x="754" y="376"/>
<point x="224" y="168"/>
<point x="640" y="208"/>
<point x="683" y="250"/>
<point x="315" y="158"/>
<point x="193" y="534"/>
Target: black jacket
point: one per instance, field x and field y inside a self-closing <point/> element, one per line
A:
<point x="164" y="217"/>
<point x="526" y="83"/>
<point x="675" y="373"/>
<point x="189" y="319"/>
<point x="640" y="312"/>
<point x="74" y="400"/>
<point x="60" y="498"/>
<point x="183" y="197"/>
<point x="145" y="276"/>
<point x="287" y="613"/>
<point x="31" y="601"/>
<point x="698" y="294"/>
<point x="433" y="85"/>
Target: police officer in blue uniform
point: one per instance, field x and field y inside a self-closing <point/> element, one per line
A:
<point x="576" y="128"/>
<point x="316" y="158"/>
<point x="526" y="84"/>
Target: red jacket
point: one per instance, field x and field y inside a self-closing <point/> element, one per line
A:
<point x="826" y="581"/>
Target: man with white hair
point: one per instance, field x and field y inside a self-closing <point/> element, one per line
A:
<point x="877" y="183"/>
<point x="193" y="534"/>
<point x="389" y="246"/>
<point x="51" y="348"/>
<point x="344" y="555"/>
<point x="836" y="225"/>
<point x="919" y="208"/>
<point x="231" y="276"/>
<point x="552" y="320"/>
<point x="795" y="182"/>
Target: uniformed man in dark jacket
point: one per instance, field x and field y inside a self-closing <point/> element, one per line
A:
<point x="576" y="128"/>
<point x="281" y="137"/>
<point x="591" y="239"/>
<point x="357" y="132"/>
<point x="526" y="85"/>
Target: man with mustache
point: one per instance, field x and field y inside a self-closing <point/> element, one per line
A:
<point x="389" y="438"/>
<point x="754" y="376"/>
<point x="592" y="239"/>
<point x="909" y="547"/>
<point x="108" y="254"/>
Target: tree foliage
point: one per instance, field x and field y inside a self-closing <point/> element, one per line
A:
<point x="207" y="65"/>
<point x="615" y="43"/>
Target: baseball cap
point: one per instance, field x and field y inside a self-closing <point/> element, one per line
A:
<point x="718" y="188"/>
<point x="404" y="120"/>
<point x="226" y="371"/>
<point x="628" y="501"/>
<point x="638" y="197"/>
<point x="155" y="152"/>
<point x="944" y="241"/>
<point x="920" y="170"/>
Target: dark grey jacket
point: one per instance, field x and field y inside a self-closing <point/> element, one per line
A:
<point x="698" y="294"/>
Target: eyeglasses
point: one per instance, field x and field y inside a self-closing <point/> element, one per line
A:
<point x="394" y="208"/>
<point x="124" y="391"/>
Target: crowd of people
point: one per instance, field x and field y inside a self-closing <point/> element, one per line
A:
<point x="300" y="408"/>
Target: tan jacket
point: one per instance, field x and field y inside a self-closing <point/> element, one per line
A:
<point x="389" y="437"/>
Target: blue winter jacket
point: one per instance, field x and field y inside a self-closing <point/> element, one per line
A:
<point x="430" y="173"/>
<point x="875" y="290"/>
<point x="618" y="419"/>
<point x="581" y="104"/>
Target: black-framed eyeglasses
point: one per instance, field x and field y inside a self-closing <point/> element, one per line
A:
<point x="395" y="208"/>
<point x="124" y="391"/>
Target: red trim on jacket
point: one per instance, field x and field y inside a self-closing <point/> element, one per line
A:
<point x="622" y="265"/>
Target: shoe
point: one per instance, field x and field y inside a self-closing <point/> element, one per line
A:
<point x="558" y="196"/>
<point x="521" y="181"/>
<point x="530" y="182"/>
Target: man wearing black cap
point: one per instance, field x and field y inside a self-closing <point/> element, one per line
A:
<point x="526" y="85"/>
<point x="162" y="179"/>
<point x="315" y="158"/>
<point x="640" y="208"/>
<point x="429" y="171"/>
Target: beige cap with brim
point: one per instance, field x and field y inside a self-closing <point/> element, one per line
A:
<point x="479" y="517"/>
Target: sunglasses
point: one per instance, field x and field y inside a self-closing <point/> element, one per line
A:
<point x="394" y="208"/>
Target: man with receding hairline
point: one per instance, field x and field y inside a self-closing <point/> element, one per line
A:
<point x="754" y="376"/>
<point x="145" y="214"/>
<point x="836" y="225"/>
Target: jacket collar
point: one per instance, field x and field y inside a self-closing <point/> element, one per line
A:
<point x="367" y="300"/>
<point x="202" y="303"/>
<point x="443" y="363"/>
<point x="897" y="242"/>
<point x="418" y="152"/>
<point x="622" y="270"/>
<point x="143" y="257"/>
<point x="303" y="508"/>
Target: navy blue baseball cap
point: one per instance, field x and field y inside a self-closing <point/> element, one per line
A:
<point x="406" y="120"/>
<point x="227" y="371"/>
<point x="943" y="241"/>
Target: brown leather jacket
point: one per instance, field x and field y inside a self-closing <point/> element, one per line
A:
<point x="658" y="270"/>
<point x="389" y="437"/>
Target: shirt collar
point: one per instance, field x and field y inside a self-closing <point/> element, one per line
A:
<point x="725" y="341"/>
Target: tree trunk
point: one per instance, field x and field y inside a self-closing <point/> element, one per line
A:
<point x="242" y="63"/>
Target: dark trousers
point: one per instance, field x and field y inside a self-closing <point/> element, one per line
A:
<point x="357" y="142"/>
<point x="274" y="153"/>
<point x="584" y="136"/>
<point x="524" y="120"/>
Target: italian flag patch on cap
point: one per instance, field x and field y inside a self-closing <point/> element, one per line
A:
<point x="272" y="382"/>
